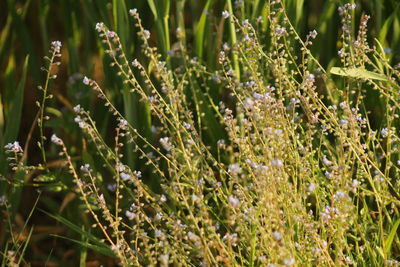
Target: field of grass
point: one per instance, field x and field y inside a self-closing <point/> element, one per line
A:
<point x="199" y="133"/>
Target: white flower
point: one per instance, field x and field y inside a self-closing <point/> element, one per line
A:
<point x="130" y="215"/>
<point x="281" y="31"/>
<point x="234" y="169"/>
<point x="165" y="143"/>
<point x="77" y="109"/>
<point x="138" y="174"/>
<point x="110" y="34"/>
<point x="86" y="168"/>
<point x="120" y="167"/>
<point x="135" y="63"/>
<point x="313" y="34"/>
<point x="341" y="53"/>
<point x="86" y="80"/>
<point x="277" y="236"/>
<point x="56" y="46"/>
<point x="225" y="14"/>
<point x="339" y="194"/>
<point x="100" y="26"/>
<point x="248" y="103"/>
<point x="311" y="188"/>
<point x="326" y="161"/>
<point x="226" y="47"/>
<point x="310" y="77"/>
<point x="234" y="201"/>
<point x="164" y="259"/>
<point x="194" y="198"/>
<point x="187" y="125"/>
<point x="14" y="147"/>
<point x="328" y="175"/>
<point x="158" y="233"/>
<point x="56" y="140"/>
<point x="289" y="262"/>
<point x="133" y="12"/>
<point x="230" y="72"/>
<point x="125" y="176"/>
<point x="163" y="198"/>
<point x="81" y="123"/>
<point x="384" y="132"/>
<point x="123" y="124"/>
<point x="146" y="34"/>
<point x="192" y="236"/>
<point x="277" y="163"/>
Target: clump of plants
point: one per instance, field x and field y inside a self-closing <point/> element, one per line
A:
<point x="302" y="177"/>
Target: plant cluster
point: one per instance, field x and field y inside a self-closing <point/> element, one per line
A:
<point x="303" y="177"/>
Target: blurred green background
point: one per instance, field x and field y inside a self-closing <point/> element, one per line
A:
<point x="28" y="28"/>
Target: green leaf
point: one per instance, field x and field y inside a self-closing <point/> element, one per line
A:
<point x="358" y="73"/>
<point x="13" y="119"/>
<point x="392" y="234"/>
<point x="97" y="246"/>
<point x="100" y="249"/>
<point x="199" y="35"/>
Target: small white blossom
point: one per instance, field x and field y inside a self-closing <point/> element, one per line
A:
<point x="146" y="34"/>
<point x="133" y="12"/>
<point x="130" y="215"/>
<point x="289" y="261"/>
<point x="221" y="144"/>
<point x="111" y="34"/>
<point x="277" y="236"/>
<point x="164" y="259"/>
<point x="277" y="163"/>
<point x="194" y="198"/>
<point x="311" y="188"/>
<point x="328" y="175"/>
<point x="112" y="187"/>
<point x="123" y="124"/>
<point x="187" y="125"/>
<point x="56" y="46"/>
<point x="339" y="195"/>
<point x="313" y="34"/>
<point x="226" y="47"/>
<point x="192" y="236"/>
<point x="86" y="80"/>
<point x="234" y="169"/>
<point x="56" y="140"/>
<point x="86" y="168"/>
<point x="165" y="143"/>
<point x="78" y="109"/>
<point x="125" y="176"/>
<point x="135" y="63"/>
<point x="137" y="174"/>
<point x="225" y="14"/>
<point x="100" y="26"/>
<point x="248" y="103"/>
<point x="14" y="147"/>
<point x="326" y="161"/>
<point x="385" y="132"/>
<point x="234" y="202"/>
<point x="281" y="31"/>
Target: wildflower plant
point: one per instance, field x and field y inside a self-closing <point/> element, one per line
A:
<point x="301" y="176"/>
